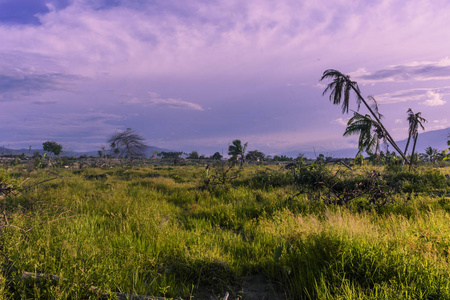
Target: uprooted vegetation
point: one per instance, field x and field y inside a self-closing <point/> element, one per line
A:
<point x="309" y="232"/>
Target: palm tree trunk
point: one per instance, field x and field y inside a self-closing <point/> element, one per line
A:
<point x="406" y="148"/>
<point x="414" y="148"/>
<point x="388" y="136"/>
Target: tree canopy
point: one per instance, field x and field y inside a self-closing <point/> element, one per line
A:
<point x="216" y="156"/>
<point x="255" y="155"/>
<point x="127" y="144"/>
<point x="52" y="147"/>
<point x="236" y="149"/>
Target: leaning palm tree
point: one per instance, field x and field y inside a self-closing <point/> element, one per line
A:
<point x="237" y="149"/>
<point x="340" y="89"/>
<point x="370" y="133"/>
<point x="414" y="120"/>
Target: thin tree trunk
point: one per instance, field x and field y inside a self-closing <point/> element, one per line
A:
<point x="414" y="148"/>
<point x="388" y="136"/>
<point x="406" y="148"/>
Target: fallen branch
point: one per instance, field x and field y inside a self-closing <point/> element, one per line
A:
<point x="16" y="227"/>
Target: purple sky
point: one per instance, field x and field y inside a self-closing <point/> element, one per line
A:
<point x="195" y="75"/>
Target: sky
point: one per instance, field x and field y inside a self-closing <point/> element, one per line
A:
<point x="197" y="74"/>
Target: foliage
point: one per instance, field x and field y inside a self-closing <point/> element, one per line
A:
<point x="370" y="133"/>
<point x="52" y="147"/>
<point x="414" y="120"/>
<point x="446" y="153"/>
<point x="127" y="144"/>
<point x="7" y="184"/>
<point x="216" y="156"/>
<point x="255" y="155"/>
<point x="193" y="155"/>
<point x="236" y="149"/>
<point x="282" y="158"/>
<point x="170" y="155"/>
<point x="340" y="88"/>
<point x="156" y="230"/>
<point x="431" y="154"/>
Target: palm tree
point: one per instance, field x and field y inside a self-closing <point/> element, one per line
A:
<point x="369" y="132"/>
<point x="340" y="89"/>
<point x="236" y="149"/>
<point x="431" y="154"/>
<point x="415" y="120"/>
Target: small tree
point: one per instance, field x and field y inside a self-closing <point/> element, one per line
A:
<point x="193" y="155"/>
<point x="431" y="154"/>
<point x="216" y="156"/>
<point x="255" y="155"/>
<point x="170" y="155"/>
<point x="127" y="144"/>
<point x="52" y="148"/>
<point x="237" y="149"/>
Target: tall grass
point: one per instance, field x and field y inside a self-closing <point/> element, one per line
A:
<point x="157" y="231"/>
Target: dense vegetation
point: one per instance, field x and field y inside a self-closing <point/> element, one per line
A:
<point x="310" y="232"/>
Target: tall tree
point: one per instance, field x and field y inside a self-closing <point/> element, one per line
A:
<point x="127" y="144"/>
<point x="414" y="120"/>
<point x="370" y="133"/>
<point x="236" y="149"/>
<point x="340" y="89"/>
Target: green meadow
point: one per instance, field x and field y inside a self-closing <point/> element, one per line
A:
<point x="190" y="232"/>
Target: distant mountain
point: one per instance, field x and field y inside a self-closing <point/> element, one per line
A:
<point x="28" y="152"/>
<point x="436" y="139"/>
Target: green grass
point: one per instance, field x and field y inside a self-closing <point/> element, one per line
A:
<point x="160" y="231"/>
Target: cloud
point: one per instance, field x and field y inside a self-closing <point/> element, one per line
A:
<point x="341" y="121"/>
<point x="434" y="99"/>
<point x="175" y="103"/>
<point x="427" y="96"/>
<point x="415" y="71"/>
<point x="18" y="82"/>
<point x="44" y="102"/>
<point x="230" y="55"/>
<point x="156" y="100"/>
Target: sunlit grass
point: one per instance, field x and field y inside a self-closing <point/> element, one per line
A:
<point x="159" y="231"/>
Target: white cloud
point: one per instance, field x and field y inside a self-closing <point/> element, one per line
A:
<point x="428" y="96"/>
<point x="341" y="121"/>
<point x="175" y="103"/>
<point x="408" y="72"/>
<point x="156" y="100"/>
<point x="434" y="99"/>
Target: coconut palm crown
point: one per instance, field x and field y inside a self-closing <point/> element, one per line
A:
<point x="340" y="88"/>
<point x="237" y="149"/>
<point x="369" y="131"/>
<point x="414" y="120"/>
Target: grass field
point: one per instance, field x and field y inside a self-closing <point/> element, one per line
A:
<point x="185" y="232"/>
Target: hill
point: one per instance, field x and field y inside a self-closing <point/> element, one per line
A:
<point x="435" y="138"/>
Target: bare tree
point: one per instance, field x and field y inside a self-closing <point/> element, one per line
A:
<point x="128" y="144"/>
